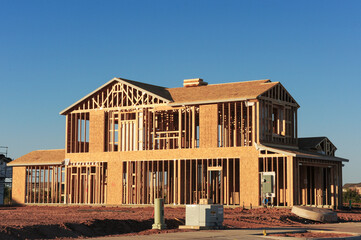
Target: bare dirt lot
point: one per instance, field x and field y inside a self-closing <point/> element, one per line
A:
<point x="50" y="222"/>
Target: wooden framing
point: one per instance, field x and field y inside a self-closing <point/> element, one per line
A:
<point x="303" y="181"/>
<point x="87" y="183"/>
<point x="77" y="133"/>
<point x="320" y="184"/>
<point x="76" y="183"/>
<point x="150" y="129"/>
<point x="207" y="147"/>
<point x="326" y="147"/>
<point x="182" y="181"/>
<point x="44" y="184"/>
<point x="277" y="164"/>
<point x="117" y="95"/>
<point x="278" y="125"/>
<point x="236" y="121"/>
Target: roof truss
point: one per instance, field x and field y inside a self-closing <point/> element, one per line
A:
<point x="114" y="95"/>
<point x="326" y="147"/>
<point x="279" y="93"/>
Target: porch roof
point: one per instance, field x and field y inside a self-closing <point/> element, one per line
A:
<point x="40" y="157"/>
<point x="301" y="153"/>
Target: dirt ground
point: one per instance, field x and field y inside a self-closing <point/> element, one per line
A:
<point x="50" y="222"/>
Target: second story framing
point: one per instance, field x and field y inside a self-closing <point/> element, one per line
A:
<point x="136" y="116"/>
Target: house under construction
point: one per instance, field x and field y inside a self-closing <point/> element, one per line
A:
<point x="129" y="142"/>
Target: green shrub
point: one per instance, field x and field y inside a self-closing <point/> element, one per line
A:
<point x="351" y="195"/>
<point x="7" y="195"/>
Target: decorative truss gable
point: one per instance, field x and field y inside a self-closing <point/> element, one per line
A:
<point x="326" y="147"/>
<point x="117" y="94"/>
<point x="279" y="93"/>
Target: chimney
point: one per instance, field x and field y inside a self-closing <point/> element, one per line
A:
<point x="194" y="82"/>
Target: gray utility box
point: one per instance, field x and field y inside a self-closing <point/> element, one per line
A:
<point x="206" y="215"/>
<point x="268" y="184"/>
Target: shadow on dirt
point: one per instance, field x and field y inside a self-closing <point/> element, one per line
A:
<point x="96" y="228"/>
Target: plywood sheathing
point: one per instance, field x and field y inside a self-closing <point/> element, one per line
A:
<point x="208" y="124"/>
<point x="220" y="92"/>
<point x="166" y="154"/>
<point x="40" y="157"/>
<point x="249" y="189"/>
<point x="115" y="183"/>
<point x="96" y="131"/>
<point x="18" y="185"/>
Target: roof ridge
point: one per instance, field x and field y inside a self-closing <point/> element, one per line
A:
<point x="49" y="149"/>
<point x="243" y="82"/>
<point x="314" y="137"/>
<point x="254" y="81"/>
<point x="124" y="79"/>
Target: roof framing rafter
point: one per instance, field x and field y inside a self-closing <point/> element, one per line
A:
<point x="280" y="94"/>
<point x="300" y="153"/>
<point x="117" y="93"/>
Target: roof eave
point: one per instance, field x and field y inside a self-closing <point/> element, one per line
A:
<point x="325" y="157"/>
<point x="33" y="164"/>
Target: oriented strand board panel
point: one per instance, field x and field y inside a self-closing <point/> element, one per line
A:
<point x="96" y="131"/>
<point x="208" y="122"/>
<point x="18" y="186"/>
<point x="39" y="157"/>
<point x="220" y="92"/>
<point x="249" y="174"/>
<point x="190" y="153"/>
<point x="114" y="187"/>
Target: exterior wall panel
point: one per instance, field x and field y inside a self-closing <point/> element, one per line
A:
<point x="114" y="196"/>
<point x="249" y="192"/>
<point x="96" y="131"/>
<point x="208" y="123"/>
<point x="18" y="185"/>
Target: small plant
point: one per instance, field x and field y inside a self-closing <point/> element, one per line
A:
<point x="351" y="195"/>
<point x="7" y="195"/>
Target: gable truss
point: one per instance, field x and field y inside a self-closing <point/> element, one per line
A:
<point x="326" y="147"/>
<point x="279" y="93"/>
<point x="123" y="95"/>
<point x="119" y="95"/>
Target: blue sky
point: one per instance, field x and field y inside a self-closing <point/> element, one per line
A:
<point x="52" y="53"/>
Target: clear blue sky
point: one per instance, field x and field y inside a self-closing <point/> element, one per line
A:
<point x="52" y="53"/>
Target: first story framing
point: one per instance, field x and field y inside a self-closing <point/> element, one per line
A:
<point x="232" y="181"/>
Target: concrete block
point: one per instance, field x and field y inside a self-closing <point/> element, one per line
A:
<point x="315" y="214"/>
